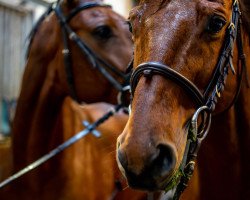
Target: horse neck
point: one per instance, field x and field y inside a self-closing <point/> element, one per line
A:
<point x="35" y="118"/>
<point x="243" y="121"/>
<point x="40" y="99"/>
<point x="83" y="157"/>
<point x="245" y="8"/>
<point x="225" y="152"/>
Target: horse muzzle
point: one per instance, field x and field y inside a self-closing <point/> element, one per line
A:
<point x="151" y="174"/>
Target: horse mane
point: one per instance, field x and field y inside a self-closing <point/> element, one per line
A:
<point x="35" y="28"/>
<point x="245" y="8"/>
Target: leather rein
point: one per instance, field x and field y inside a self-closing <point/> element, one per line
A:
<point x="205" y="102"/>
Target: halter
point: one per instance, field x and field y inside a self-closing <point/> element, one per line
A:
<point x="205" y="102"/>
<point x="68" y="34"/>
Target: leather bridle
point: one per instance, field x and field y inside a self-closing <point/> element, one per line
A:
<point x="205" y="102"/>
<point x="96" y="61"/>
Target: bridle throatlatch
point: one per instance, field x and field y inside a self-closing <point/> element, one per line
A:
<point x="205" y="102"/>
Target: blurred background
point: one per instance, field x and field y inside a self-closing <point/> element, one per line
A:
<point x="16" y="20"/>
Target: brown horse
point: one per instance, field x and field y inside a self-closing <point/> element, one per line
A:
<point x="61" y="62"/>
<point x="54" y="60"/>
<point x="187" y="51"/>
<point x="88" y="169"/>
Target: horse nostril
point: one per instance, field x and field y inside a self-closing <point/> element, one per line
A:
<point x="165" y="160"/>
<point x="121" y="156"/>
<point x="118" y="144"/>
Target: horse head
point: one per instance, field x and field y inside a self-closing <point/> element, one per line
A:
<point x="182" y="57"/>
<point x="82" y="43"/>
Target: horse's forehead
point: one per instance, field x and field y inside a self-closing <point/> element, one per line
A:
<point x="162" y="2"/>
<point x="161" y="15"/>
<point x="106" y="13"/>
<point x="177" y="11"/>
<point x="99" y="16"/>
<point x="148" y="7"/>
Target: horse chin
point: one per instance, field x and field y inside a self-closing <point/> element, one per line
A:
<point x="151" y="186"/>
<point x="143" y="182"/>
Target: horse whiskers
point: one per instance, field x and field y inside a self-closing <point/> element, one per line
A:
<point x="125" y="188"/>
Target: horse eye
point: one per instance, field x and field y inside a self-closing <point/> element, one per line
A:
<point x="215" y="24"/>
<point x="103" y="32"/>
<point x="129" y="26"/>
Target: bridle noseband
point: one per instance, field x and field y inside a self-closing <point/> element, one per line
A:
<point x="151" y="68"/>
<point x="205" y="102"/>
<point x="68" y="34"/>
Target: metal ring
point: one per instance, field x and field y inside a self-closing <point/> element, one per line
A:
<point x="120" y="94"/>
<point x="205" y="125"/>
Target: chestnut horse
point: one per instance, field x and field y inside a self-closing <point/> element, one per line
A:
<point x="186" y="53"/>
<point x="78" y="49"/>
<point x="61" y="62"/>
<point x="88" y="169"/>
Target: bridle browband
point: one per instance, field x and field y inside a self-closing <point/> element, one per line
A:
<point x="68" y="34"/>
<point x="205" y="102"/>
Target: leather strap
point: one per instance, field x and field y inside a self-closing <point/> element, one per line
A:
<point x="151" y="68"/>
